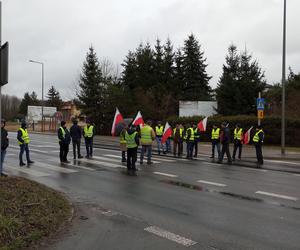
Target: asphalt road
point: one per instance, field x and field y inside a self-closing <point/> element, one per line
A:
<point x="173" y="204"/>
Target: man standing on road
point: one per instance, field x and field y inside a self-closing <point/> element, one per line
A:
<point x="123" y="144"/>
<point x="225" y="140"/>
<point x="189" y="142"/>
<point x="132" y="140"/>
<point x="238" y="141"/>
<point x="178" y="140"/>
<point x="88" y="133"/>
<point x="4" y="145"/>
<point x="215" y="141"/>
<point x="159" y="130"/>
<point x="23" y="139"/>
<point x="196" y="139"/>
<point x="147" y="137"/>
<point x="258" y="140"/>
<point x="75" y="133"/>
<point x="64" y="141"/>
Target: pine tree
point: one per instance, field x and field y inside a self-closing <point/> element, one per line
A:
<point x="92" y="90"/>
<point x="28" y="100"/>
<point x="129" y="73"/>
<point x="195" y="78"/>
<point x="54" y="99"/>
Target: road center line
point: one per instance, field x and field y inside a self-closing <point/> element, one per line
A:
<point x="212" y="183"/>
<point x="170" y="236"/>
<point x="165" y="174"/>
<point x="297" y="174"/>
<point x="277" y="195"/>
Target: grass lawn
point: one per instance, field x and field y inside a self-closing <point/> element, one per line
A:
<point x="29" y="212"/>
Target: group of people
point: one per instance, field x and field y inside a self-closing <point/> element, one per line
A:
<point x="132" y="136"/>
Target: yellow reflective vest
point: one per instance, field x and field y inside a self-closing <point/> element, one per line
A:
<point x="25" y="136"/>
<point x="256" y="136"/>
<point x="192" y="134"/>
<point x="215" y="134"/>
<point x="146" y="135"/>
<point x="159" y="130"/>
<point x="238" y="134"/>
<point x="130" y="139"/>
<point x="88" y="131"/>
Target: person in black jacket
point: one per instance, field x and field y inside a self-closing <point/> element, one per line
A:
<point x="75" y="133"/>
<point x="4" y="145"/>
<point x="225" y="140"/>
<point x="64" y="141"/>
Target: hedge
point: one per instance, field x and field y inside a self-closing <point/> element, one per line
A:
<point x="271" y="126"/>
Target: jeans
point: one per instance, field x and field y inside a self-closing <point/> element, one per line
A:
<point x="63" y="151"/>
<point x="24" y="147"/>
<point x="225" y="149"/>
<point x="196" y="147"/>
<point x="76" y="144"/>
<point x="89" y="147"/>
<point x="131" y="158"/>
<point x="3" y="153"/>
<point x="159" y="144"/>
<point x="237" y="145"/>
<point x="168" y="146"/>
<point x="216" y="143"/>
<point x="145" y="148"/>
<point x="189" y="148"/>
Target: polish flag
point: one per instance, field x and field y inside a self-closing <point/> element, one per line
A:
<point x="246" y="138"/>
<point x="167" y="133"/>
<point x="138" y="119"/>
<point x="202" y="125"/>
<point x="117" y="119"/>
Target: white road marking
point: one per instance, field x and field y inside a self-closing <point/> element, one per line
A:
<point x="212" y="183"/>
<point x="28" y="171"/>
<point x="162" y="159"/>
<point x="30" y="149"/>
<point x="287" y="162"/>
<point x="75" y="166"/>
<point x="257" y="169"/>
<point x="44" y="146"/>
<point x="106" y="159"/>
<point x="170" y="236"/>
<point x="102" y="163"/>
<point x="118" y="156"/>
<point x="277" y="195"/>
<point x="165" y="174"/>
<point x="55" y="168"/>
<point x="297" y="174"/>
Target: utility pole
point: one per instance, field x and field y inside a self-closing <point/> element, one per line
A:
<point x="283" y="82"/>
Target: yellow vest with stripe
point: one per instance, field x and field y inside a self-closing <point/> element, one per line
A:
<point x="63" y="132"/>
<point x="130" y="139"/>
<point x="159" y="130"/>
<point x="25" y="136"/>
<point x="196" y="134"/>
<point x="122" y="138"/>
<point x="238" y="133"/>
<point x="215" y="134"/>
<point x="256" y="136"/>
<point x="180" y="132"/>
<point x="192" y="135"/>
<point x="146" y="135"/>
<point x="88" y="131"/>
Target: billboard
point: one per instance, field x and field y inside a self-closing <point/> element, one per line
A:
<point x="34" y="113"/>
<point x="197" y="108"/>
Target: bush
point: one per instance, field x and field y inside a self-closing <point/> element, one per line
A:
<point x="271" y="125"/>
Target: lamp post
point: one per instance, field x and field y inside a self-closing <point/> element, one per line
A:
<point x="41" y="63"/>
<point x="283" y="82"/>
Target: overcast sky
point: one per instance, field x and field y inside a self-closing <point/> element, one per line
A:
<point x="59" y="32"/>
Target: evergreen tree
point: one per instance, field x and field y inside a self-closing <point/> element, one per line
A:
<point x="54" y="99"/>
<point x="129" y="71"/>
<point x="92" y="90"/>
<point x="239" y="84"/>
<point x="195" y="78"/>
<point x="28" y="100"/>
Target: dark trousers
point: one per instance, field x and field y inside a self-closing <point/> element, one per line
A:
<point x="177" y="147"/>
<point x="196" y="147"/>
<point x="131" y="158"/>
<point x="189" y="149"/>
<point x="24" y="147"/>
<point x="89" y="147"/>
<point x="237" y="145"/>
<point x="225" y="149"/>
<point x="76" y="145"/>
<point x="259" y="155"/>
<point x="123" y="156"/>
<point x="216" y="143"/>
<point x="63" y="151"/>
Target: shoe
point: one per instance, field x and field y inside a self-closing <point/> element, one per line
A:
<point x="212" y="157"/>
<point x="30" y="162"/>
<point x="124" y="160"/>
<point x="3" y="175"/>
<point x="164" y="153"/>
<point x="229" y="162"/>
<point x="80" y="157"/>
<point x="28" y="166"/>
<point x="141" y="163"/>
<point x="66" y="161"/>
<point x="219" y="162"/>
<point x="87" y="157"/>
<point x="149" y="162"/>
<point x="22" y="164"/>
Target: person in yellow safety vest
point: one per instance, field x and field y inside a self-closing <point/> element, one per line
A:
<point x="23" y="140"/>
<point x="147" y="136"/>
<point x="159" y="130"/>
<point x="196" y="139"/>
<point x="190" y="137"/>
<point x="123" y="144"/>
<point x="238" y="141"/>
<point x="88" y="134"/>
<point x="178" y="140"/>
<point x="215" y="141"/>
<point x="258" y="140"/>
<point x="64" y="138"/>
<point x="132" y="139"/>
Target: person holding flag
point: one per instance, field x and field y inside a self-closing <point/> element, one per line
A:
<point x="258" y="140"/>
<point x="225" y="140"/>
<point x="118" y="119"/>
<point x="178" y="140"/>
<point x="167" y="134"/>
<point x="132" y="139"/>
<point x="238" y="141"/>
<point x="196" y="139"/>
<point x="147" y="136"/>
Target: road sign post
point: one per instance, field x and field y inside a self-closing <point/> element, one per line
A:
<point x="260" y="106"/>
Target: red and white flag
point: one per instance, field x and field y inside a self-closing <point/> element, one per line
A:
<point x="246" y="138"/>
<point x="167" y="133"/>
<point x="117" y="119"/>
<point x="138" y="119"/>
<point x="202" y="125"/>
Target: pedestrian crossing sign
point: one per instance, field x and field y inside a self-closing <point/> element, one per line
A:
<point x="260" y="103"/>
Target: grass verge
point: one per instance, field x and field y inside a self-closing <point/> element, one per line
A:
<point x="29" y="212"/>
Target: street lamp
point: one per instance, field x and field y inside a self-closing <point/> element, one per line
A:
<point x="41" y="63"/>
<point x="283" y="82"/>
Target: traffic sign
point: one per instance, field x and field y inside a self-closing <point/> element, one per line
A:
<point x="260" y="114"/>
<point x="260" y="103"/>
